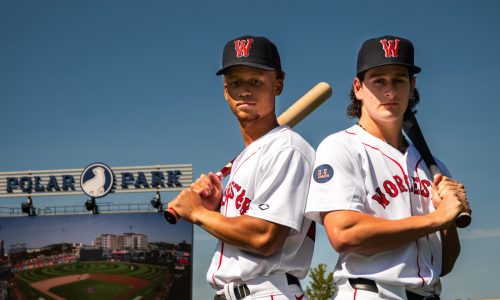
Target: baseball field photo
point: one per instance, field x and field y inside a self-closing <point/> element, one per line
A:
<point x="113" y="256"/>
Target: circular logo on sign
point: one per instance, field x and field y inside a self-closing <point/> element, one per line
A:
<point x="97" y="180"/>
<point x="323" y="173"/>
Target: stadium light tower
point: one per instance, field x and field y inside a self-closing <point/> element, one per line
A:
<point x="91" y="205"/>
<point x="156" y="202"/>
<point x="28" y="208"/>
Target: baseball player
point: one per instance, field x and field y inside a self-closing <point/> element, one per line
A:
<point x="265" y="244"/>
<point x="390" y="221"/>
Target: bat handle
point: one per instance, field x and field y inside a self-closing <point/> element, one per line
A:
<point x="463" y="220"/>
<point x="171" y="215"/>
<point x="412" y="130"/>
<point x="433" y="168"/>
<point x="226" y="170"/>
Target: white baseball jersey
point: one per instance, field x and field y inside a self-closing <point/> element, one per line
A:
<point x="269" y="180"/>
<point x="357" y="171"/>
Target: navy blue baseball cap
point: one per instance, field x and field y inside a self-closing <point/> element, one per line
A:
<point x="386" y="50"/>
<point x="253" y="51"/>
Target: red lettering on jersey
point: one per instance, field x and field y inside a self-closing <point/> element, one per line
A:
<point x="394" y="188"/>
<point x="390" y="188"/>
<point x="229" y="193"/>
<point x="245" y="206"/>
<point x="239" y="199"/>
<point x="241" y="203"/>
<point x="236" y="186"/>
<point x="242" y="47"/>
<point x="410" y="188"/>
<point x="416" y="182"/>
<point x="380" y="198"/>
<point x="424" y="185"/>
<point x="390" y="47"/>
<point x="400" y="184"/>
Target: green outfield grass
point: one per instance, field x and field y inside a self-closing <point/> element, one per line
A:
<point x="90" y="289"/>
<point x="156" y="275"/>
<point x="148" y="272"/>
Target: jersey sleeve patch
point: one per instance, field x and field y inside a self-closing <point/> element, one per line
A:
<point x="323" y="173"/>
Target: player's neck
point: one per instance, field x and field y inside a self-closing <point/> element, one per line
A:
<point x="251" y="131"/>
<point x="388" y="132"/>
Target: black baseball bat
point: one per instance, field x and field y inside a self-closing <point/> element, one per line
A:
<point x="412" y="130"/>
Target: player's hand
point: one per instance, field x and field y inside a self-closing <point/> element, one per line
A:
<point x="209" y="187"/>
<point x="450" y="199"/>
<point x="187" y="205"/>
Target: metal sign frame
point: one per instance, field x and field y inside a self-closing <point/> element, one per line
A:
<point x="64" y="182"/>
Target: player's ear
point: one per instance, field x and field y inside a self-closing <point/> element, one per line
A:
<point x="278" y="87"/>
<point x="226" y="93"/>
<point x="279" y="83"/>
<point x="356" y="86"/>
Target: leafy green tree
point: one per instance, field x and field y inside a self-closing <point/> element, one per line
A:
<point x="320" y="287"/>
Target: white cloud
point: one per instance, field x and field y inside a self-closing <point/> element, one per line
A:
<point x="480" y="233"/>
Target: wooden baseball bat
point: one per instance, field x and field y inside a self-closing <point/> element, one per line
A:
<point x="291" y="117"/>
<point x="412" y="130"/>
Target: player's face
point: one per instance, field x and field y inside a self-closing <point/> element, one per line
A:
<point x="385" y="93"/>
<point x="250" y="92"/>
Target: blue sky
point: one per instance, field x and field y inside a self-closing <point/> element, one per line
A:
<point x="43" y="231"/>
<point x="133" y="83"/>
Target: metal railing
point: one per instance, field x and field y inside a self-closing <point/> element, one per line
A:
<point x="104" y="207"/>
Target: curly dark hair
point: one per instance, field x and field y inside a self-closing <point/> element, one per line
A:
<point x="354" y="107"/>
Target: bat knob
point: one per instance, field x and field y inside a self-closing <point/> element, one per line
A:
<point x="171" y="216"/>
<point x="463" y="220"/>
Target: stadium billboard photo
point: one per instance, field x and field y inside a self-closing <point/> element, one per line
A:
<point x="98" y="256"/>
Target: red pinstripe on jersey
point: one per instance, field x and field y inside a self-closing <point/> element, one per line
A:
<point x="225" y="213"/>
<point x="404" y="176"/>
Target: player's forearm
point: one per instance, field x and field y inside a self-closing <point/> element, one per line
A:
<point x="247" y="233"/>
<point x="367" y="235"/>
<point x="451" y="249"/>
<point x="388" y="235"/>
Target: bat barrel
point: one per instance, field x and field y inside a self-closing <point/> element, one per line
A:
<point x="306" y="104"/>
